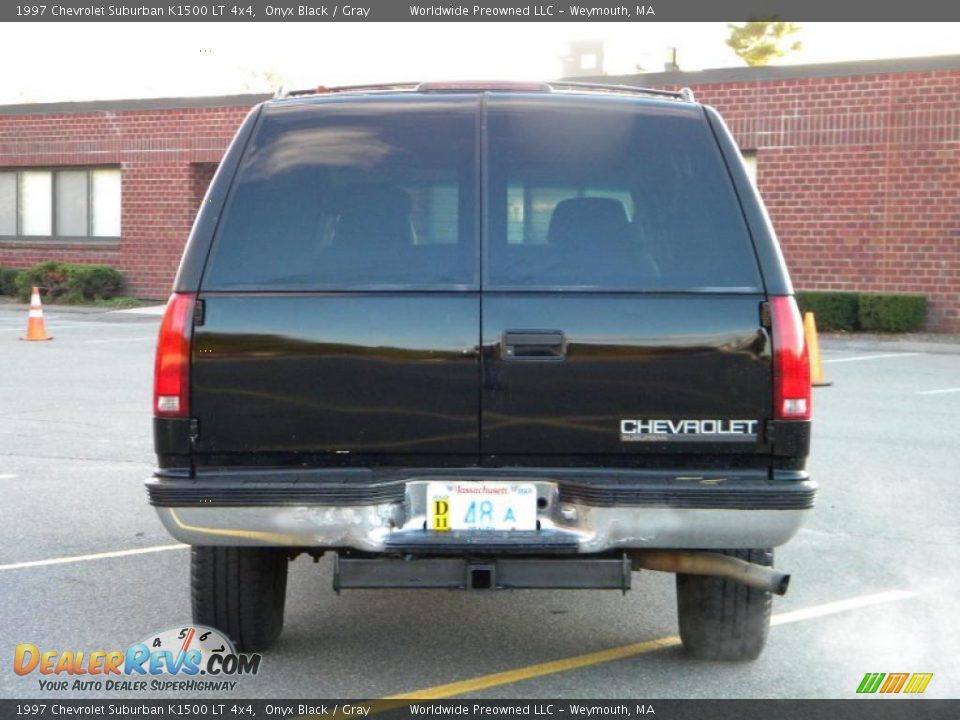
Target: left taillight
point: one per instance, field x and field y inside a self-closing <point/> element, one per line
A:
<point x="791" y="361"/>
<point x="171" y="379"/>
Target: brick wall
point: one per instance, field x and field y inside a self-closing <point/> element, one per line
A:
<point x="861" y="175"/>
<point x="860" y="172"/>
<point x="167" y="157"/>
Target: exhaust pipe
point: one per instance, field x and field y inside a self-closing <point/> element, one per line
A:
<point x="711" y="563"/>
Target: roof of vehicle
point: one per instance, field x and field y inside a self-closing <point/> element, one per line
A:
<point x="426" y="88"/>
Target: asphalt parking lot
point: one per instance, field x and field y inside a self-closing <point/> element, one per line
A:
<point x="85" y="564"/>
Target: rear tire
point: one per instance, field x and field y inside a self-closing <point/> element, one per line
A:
<point x="240" y="591"/>
<point x="721" y="619"/>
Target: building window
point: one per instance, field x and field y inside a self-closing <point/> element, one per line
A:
<point x="36" y="200"/>
<point x="68" y="204"/>
<point x="750" y="163"/>
<point x="8" y="203"/>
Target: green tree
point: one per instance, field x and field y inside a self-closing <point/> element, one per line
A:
<point x="260" y="80"/>
<point x="759" y="42"/>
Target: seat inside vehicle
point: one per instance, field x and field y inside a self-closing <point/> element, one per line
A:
<point x="592" y="222"/>
<point x="374" y="217"/>
<point x="590" y="241"/>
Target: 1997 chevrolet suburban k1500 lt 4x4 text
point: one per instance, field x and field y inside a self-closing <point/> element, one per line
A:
<point x="484" y="336"/>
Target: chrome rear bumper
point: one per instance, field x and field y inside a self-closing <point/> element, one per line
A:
<point x="565" y="525"/>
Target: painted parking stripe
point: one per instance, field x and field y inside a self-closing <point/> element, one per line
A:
<point x="149" y="310"/>
<point x="88" y="558"/>
<point x="74" y="324"/>
<point x="938" y="392"/>
<point x="871" y="357"/>
<point x="839" y="606"/>
<point x="484" y="682"/>
<point x="124" y="339"/>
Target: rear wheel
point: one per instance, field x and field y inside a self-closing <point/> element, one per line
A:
<point x="721" y="619"/>
<point x="241" y="592"/>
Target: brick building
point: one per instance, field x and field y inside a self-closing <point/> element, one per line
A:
<point x="859" y="164"/>
<point x="166" y="152"/>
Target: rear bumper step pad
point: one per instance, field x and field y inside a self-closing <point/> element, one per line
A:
<point x="693" y="493"/>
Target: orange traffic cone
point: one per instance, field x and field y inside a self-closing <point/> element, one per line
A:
<point x="36" y="328"/>
<point x="816" y="366"/>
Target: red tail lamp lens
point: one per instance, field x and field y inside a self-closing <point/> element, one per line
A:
<point x="171" y="382"/>
<point x="791" y="362"/>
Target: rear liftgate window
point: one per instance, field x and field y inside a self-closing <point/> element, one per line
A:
<point x="366" y="194"/>
<point x="620" y="197"/>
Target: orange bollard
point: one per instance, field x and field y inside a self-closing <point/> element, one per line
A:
<point x="36" y="328"/>
<point x="816" y="366"/>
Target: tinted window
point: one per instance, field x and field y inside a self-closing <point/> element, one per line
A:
<point x="611" y="196"/>
<point x="368" y="193"/>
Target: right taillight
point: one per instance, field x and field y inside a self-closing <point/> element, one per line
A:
<point x="171" y="380"/>
<point x="791" y="362"/>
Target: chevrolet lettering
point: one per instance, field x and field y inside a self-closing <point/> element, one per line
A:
<point x="484" y="336"/>
<point x="649" y="430"/>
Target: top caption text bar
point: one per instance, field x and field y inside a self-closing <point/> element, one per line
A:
<point x="488" y="11"/>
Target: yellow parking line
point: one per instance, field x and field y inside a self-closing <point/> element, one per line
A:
<point x="484" y="682"/>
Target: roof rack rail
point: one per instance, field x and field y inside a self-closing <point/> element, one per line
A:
<point x="484" y="86"/>
<point x="682" y="94"/>
<point x="685" y="94"/>
<point x="321" y="89"/>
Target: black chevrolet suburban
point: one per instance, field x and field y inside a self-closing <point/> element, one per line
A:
<point x="484" y="336"/>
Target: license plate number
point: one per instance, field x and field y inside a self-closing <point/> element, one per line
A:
<point x="481" y="506"/>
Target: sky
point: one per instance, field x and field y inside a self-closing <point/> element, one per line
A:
<point x="48" y="62"/>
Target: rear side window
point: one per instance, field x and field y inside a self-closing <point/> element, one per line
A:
<point x="367" y="194"/>
<point x="611" y="196"/>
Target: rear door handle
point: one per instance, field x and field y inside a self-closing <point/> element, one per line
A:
<point x="534" y="345"/>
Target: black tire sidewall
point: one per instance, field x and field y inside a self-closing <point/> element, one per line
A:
<point x="720" y="619"/>
<point x="241" y="592"/>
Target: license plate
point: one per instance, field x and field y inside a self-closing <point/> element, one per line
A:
<point x="481" y="506"/>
